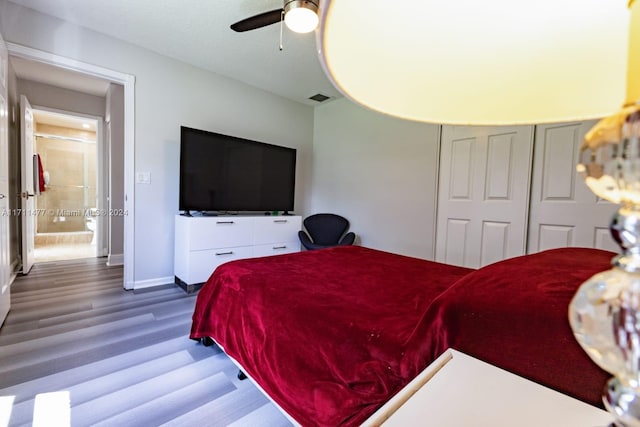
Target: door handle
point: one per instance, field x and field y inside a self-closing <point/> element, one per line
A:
<point x="2" y="196"/>
<point x="26" y="194"/>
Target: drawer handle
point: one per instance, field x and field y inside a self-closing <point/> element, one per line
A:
<point x="224" y="253"/>
<point x="280" y="220"/>
<point x="280" y="247"/>
<point x="224" y="222"/>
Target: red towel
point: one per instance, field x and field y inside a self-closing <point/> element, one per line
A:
<point x="41" y="185"/>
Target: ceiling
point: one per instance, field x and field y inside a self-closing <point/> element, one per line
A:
<point x="64" y="120"/>
<point x="55" y="76"/>
<point x="196" y="32"/>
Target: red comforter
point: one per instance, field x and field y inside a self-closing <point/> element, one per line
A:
<point x="331" y="335"/>
<point x="514" y="314"/>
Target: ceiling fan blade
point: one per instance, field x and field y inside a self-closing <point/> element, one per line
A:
<point x="258" y="21"/>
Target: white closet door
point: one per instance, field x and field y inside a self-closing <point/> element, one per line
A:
<point x="483" y="194"/>
<point x="564" y="212"/>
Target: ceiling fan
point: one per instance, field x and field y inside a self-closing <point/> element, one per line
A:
<point x="300" y="16"/>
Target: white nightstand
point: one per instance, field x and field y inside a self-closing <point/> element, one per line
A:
<point x="457" y="391"/>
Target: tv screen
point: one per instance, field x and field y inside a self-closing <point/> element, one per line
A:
<point x="225" y="173"/>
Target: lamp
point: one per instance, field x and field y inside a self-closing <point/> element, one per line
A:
<point x="516" y="62"/>
<point x="470" y="62"/>
<point x="301" y="16"/>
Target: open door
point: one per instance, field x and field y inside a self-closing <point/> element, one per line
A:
<point x="29" y="184"/>
<point x="5" y="273"/>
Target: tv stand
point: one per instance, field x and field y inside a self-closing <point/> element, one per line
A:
<point x="204" y="242"/>
<point x="208" y="213"/>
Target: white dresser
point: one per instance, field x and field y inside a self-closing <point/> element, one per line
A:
<point x="202" y="243"/>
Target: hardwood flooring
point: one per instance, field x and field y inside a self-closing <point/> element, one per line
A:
<point x="120" y="357"/>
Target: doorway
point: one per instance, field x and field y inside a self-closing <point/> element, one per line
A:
<point x="67" y="222"/>
<point x="127" y="81"/>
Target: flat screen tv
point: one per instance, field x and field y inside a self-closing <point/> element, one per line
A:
<point x="221" y="173"/>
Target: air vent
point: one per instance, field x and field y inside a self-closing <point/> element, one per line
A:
<point x="319" y="97"/>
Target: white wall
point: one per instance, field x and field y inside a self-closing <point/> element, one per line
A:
<point x="168" y="94"/>
<point x="43" y="95"/>
<point x="380" y="173"/>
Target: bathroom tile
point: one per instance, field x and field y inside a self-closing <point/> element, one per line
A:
<point x="62" y="251"/>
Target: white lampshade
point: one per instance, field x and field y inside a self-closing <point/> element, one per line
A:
<point x="301" y="16"/>
<point x="480" y="62"/>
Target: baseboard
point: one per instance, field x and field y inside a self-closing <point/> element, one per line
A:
<point x="188" y="288"/>
<point x="15" y="269"/>
<point x="115" y="259"/>
<point x="142" y="284"/>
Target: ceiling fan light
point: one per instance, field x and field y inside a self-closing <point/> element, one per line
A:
<point x="301" y="16"/>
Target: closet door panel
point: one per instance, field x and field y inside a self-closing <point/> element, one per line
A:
<point x="559" y="160"/>
<point x="604" y="241"/>
<point x="457" y="231"/>
<point x="564" y="212"/>
<point x="483" y="183"/>
<point x="495" y="241"/>
<point x="498" y="171"/>
<point x="461" y="166"/>
<point x="555" y="236"/>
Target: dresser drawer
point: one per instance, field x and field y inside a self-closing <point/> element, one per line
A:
<point x="203" y="263"/>
<point x="276" y="248"/>
<point x="276" y="229"/>
<point x="220" y="232"/>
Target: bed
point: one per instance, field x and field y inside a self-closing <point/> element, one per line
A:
<point x="331" y="335"/>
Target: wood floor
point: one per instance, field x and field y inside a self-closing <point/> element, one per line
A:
<point x="123" y="358"/>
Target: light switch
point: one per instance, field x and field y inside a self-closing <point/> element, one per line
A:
<point x="143" y="177"/>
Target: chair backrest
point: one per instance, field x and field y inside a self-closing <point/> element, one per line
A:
<point x="326" y="228"/>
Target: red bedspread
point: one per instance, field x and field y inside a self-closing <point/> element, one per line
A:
<point x="514" y="314"/>
<point x="330" y="335"/>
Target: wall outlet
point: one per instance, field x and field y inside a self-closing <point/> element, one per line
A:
<point x="143" y="177"/>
